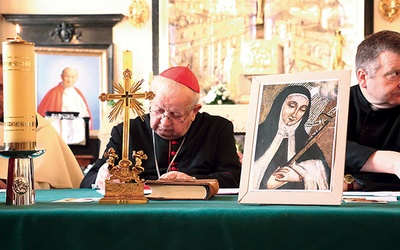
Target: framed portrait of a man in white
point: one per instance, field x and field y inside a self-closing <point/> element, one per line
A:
<point x="295" y="139"/>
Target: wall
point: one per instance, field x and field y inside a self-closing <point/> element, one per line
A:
<point x="125" y="35"/>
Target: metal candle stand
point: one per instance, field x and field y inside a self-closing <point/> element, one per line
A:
<point x="20" y="181"/>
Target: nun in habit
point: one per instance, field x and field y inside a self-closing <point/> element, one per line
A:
<point x="280" y="137"/>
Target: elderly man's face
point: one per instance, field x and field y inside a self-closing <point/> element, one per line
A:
<point x="170" y="117"/>
<point x="171" y="111"/>
<point x="69" y="77"/>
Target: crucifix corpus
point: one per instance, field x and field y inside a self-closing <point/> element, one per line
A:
<point x="124" y="184"/>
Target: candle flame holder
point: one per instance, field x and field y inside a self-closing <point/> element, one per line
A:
<point x="20" y="184"/>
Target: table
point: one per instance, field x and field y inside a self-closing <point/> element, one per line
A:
<point x="218" y="223"/>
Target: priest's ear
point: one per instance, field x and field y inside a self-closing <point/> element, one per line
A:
<point x="361" y="77"/>
<point x="197" y="108"/>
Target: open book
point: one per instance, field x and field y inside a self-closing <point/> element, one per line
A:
<point x="201" y="189"/>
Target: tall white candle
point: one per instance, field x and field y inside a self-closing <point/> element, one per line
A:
<point x="127" y="60"/>
<point x="19" y="94"/>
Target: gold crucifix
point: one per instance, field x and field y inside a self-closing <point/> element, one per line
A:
<point x="126" y="96"/>
<point x="129" y="187"/>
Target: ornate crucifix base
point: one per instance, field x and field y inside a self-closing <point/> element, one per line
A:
<point x="124" y="193"/>
<point x="124" y="184"/>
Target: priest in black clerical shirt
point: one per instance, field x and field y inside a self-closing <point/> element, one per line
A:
<point x="373" y="136"/>
<point x="181" y="143"/>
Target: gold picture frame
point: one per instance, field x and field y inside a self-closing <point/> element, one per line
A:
<point x="310" y="110"/>
<point x="92" y="65"/>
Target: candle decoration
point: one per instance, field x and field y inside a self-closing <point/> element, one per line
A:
<point x="19" y="119"/>
<point x="127" y="60"/>
<point x="19" y="94"/>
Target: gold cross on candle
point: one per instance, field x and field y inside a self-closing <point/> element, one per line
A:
<point x="127" y="98"/>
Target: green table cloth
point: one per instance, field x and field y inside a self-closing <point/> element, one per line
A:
<point x="218" y="223"/>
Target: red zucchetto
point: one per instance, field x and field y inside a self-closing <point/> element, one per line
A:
<point x="184" y="76"/>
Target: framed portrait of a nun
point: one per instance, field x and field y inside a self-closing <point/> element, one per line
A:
<point x="295" y="139"/>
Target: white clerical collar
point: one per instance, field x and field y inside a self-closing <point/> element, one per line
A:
<point x="374" y="108"/>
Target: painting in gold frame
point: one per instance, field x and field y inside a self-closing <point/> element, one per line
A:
<point x="92" y="66"/>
